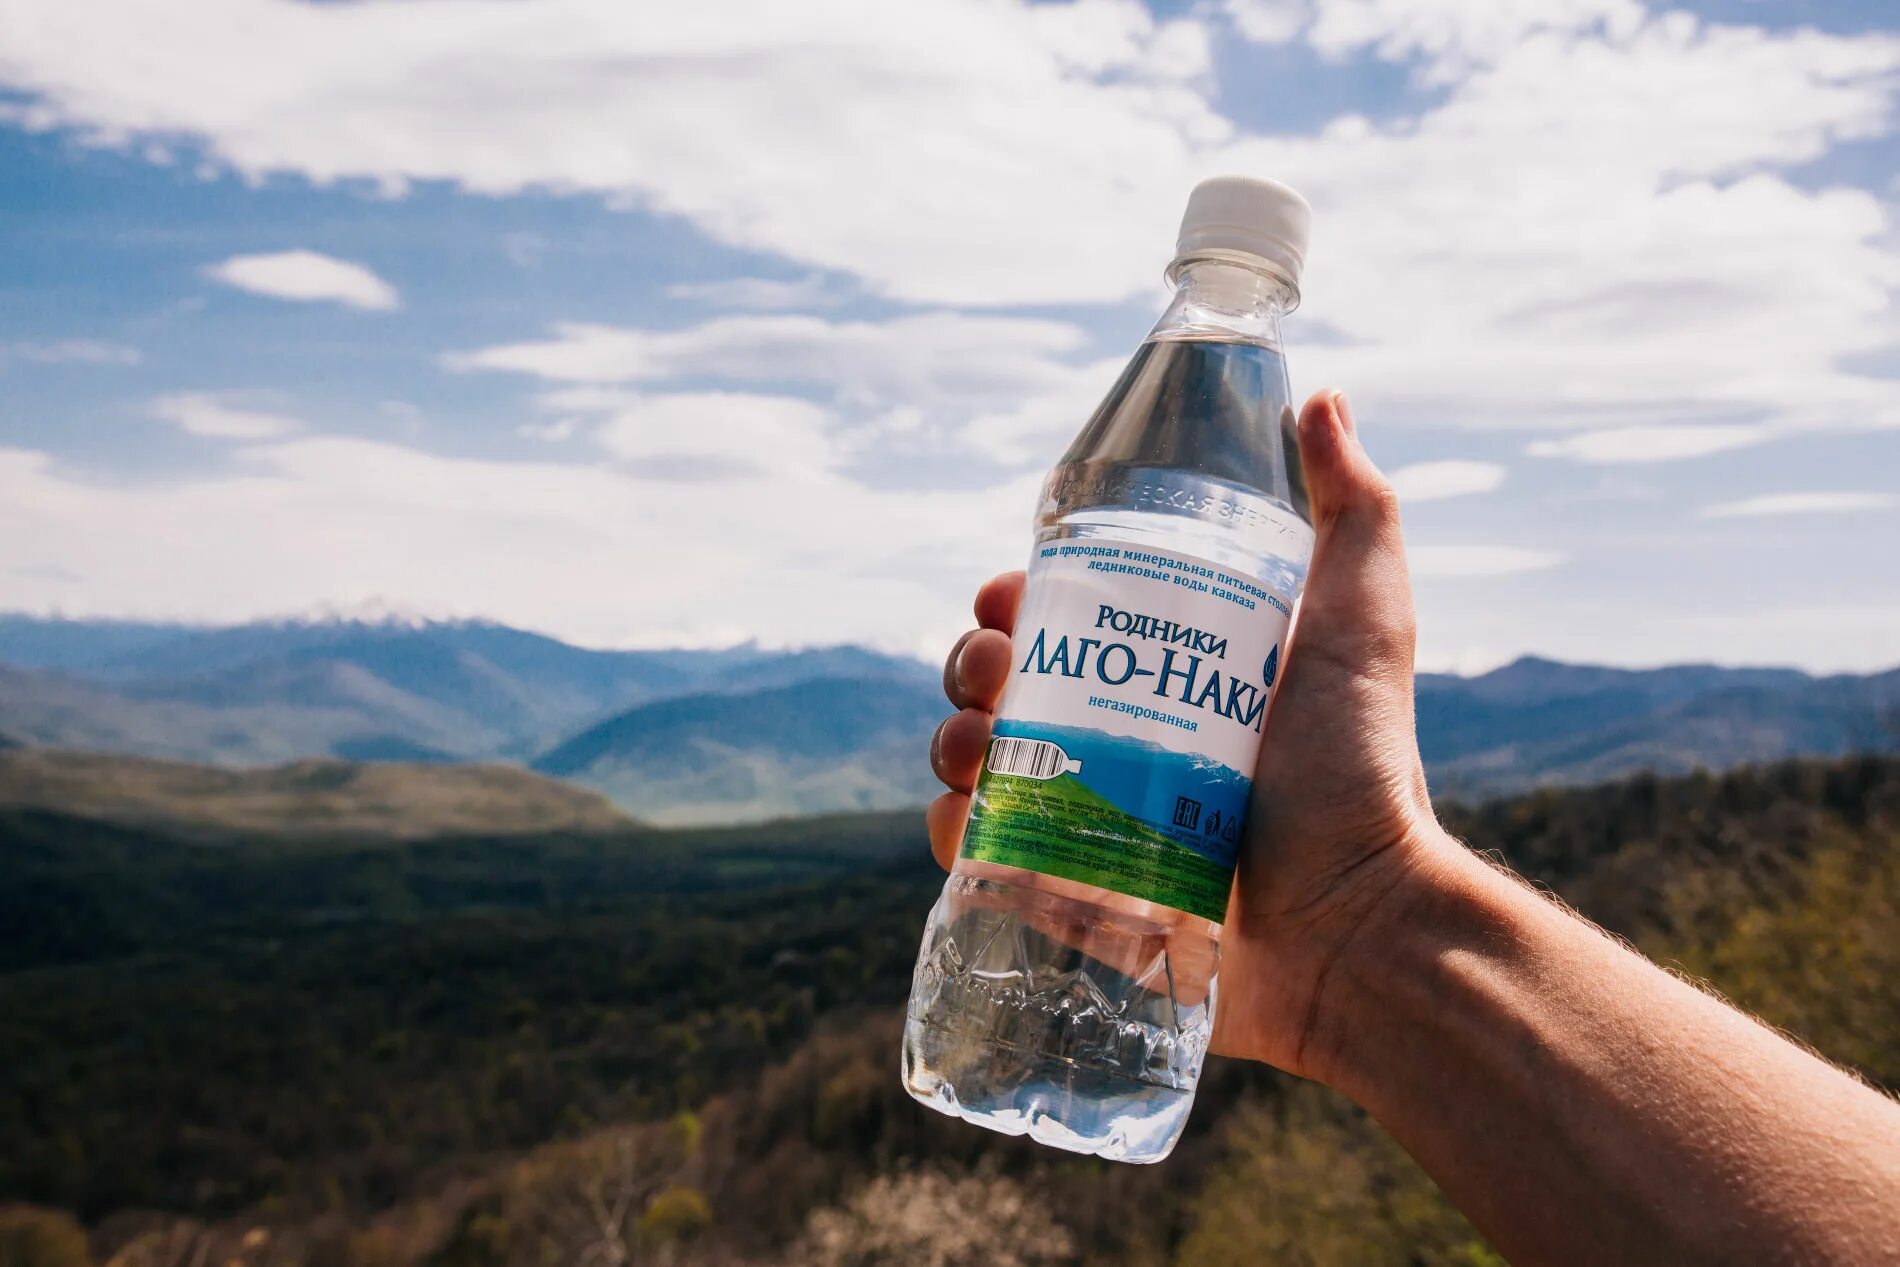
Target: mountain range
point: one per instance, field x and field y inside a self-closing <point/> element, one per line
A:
<point x="673" y="735"/>
<point x="686" y="736"/>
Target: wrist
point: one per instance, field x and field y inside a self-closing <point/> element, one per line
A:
<point x="1407" y="904"/>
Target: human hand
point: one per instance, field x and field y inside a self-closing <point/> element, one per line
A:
<point x="1340" y="816"/>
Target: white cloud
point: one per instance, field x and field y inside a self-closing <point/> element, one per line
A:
<point x="1820" y="636"/>
<point x="307" y="277"/>
<point x="721" y="432"/>
<point x="71" y="352"/>
<point x="1036" y="426"/>
<point x="1005" y="387"/>
<point x="1268" y="21"/>
<point x="1815" y="503"/>
<point x="1650" y="444"/>
<point x="1471" y="560"/>
<point x="216" y="417"/>
<point x="1604" y="253"/>
<point x="759" y="294"/>
<point x="599" y="554"/>
<point x="925" y="355"/>
<point x="1433" y="481"/>
<point x="1455" y="35"/>
<point x="1592" y="219"/>
<point x="894" y="150"/>
<point x="555" y="432"/>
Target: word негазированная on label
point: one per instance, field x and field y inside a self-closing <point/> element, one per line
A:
<point x="1125" y="741"/>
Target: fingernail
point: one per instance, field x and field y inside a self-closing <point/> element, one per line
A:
<point x="1343" y="408"/>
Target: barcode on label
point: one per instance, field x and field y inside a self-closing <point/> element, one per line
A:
<point x="1030" y="758"/>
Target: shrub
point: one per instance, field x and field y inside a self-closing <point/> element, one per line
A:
<point x="34" y="1237"/>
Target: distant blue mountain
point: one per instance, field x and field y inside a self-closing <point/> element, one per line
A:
<point x="826" y="743"/>
<point x="1541" y="722"/>
<point x="50" y="642"/>
<point x="1532" y="699"/>
<point x="360" y="689"/>
<point x="698" y="735"/>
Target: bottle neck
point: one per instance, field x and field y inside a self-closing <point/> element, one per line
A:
<point x="1228" y="300"/>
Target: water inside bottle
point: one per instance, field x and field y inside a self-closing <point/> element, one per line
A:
<point x="1046" y="1007"/>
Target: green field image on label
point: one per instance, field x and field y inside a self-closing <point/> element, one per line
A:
<point x="1060" y="827"/>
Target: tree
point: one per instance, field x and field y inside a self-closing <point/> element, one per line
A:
<point x="929" y="1218"/>
<point x="35" y="1237"/>
<point x="1310" y="1181"/>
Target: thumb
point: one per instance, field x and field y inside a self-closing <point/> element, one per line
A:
<point x="1357" y="607"/>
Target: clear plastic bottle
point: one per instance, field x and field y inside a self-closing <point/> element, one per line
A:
<point x="1068" y="976"/>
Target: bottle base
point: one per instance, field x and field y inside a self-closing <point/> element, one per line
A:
<point x="1077" y="1019"/>
<point x="1053" y="1101"/>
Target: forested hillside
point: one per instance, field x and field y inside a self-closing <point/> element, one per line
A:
<point x="680" y="1046"/>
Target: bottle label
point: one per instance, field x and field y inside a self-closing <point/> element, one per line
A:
<point x="1124" y="745"/>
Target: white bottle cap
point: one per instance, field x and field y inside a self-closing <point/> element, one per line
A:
<point x="1243" y="215"/>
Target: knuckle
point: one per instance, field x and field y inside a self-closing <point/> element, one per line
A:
<point x="1399" y="628"/>
<point x="1382" y="500"/>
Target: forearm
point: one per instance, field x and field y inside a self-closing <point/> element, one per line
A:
<point x="1580" y="1105"/>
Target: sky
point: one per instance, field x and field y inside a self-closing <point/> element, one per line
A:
<point x="685" y="325"/>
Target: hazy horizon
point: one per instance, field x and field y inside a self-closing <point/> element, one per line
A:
<point x="380" y="617"/>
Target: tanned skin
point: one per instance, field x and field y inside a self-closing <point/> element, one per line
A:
<point x="1579" y="1104"/>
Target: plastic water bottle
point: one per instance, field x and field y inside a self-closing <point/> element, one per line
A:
<point x="1069" y="974"/>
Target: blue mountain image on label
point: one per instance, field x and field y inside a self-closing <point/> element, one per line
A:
<point x="1193" y="800"/>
